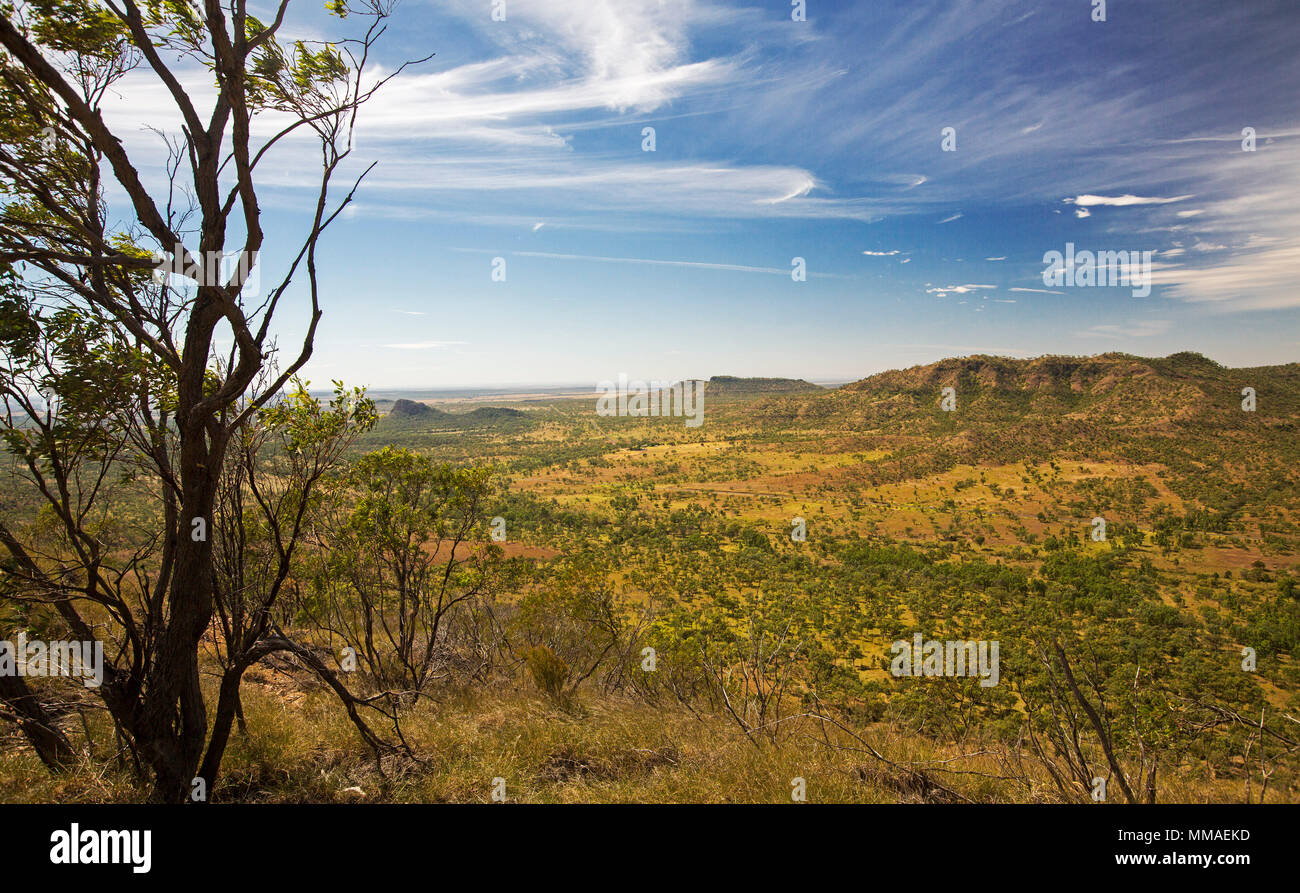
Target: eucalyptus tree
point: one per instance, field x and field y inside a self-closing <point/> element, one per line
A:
<point x="115" y="303"/>
<point x="401" y="563"/>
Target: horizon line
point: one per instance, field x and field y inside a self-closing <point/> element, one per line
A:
<point x="825" y="381"/>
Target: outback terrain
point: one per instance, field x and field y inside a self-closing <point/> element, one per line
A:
<point x="515" y="598"/>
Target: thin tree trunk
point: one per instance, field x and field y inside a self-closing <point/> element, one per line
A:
<point x="228" y="708"/>
<point x="51" y="745"/>
<point x="1097" y="727"/>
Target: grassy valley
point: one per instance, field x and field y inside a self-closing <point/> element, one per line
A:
<point x="661" y="612"/>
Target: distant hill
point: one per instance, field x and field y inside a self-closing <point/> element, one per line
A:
<point x="1107" y="390"/>
<point x="407" y="414"/>
<point x="1153" y="394"/>
<point x="732" y="386"/>
<point x="1080" y="375"/>
<point x="414" y="410"/>
<point x="1183" y="412"/>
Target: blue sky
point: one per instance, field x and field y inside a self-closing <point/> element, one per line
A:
<point x="820" y="139"/>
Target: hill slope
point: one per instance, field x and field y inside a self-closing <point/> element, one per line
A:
<point x="1183" y="412"/>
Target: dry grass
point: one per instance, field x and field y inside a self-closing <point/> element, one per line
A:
<point x="301" y="748"/>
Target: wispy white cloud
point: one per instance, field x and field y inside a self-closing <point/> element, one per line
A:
<point x="967" y="349"/>
<point x="424" y="345"/>
<point x="503" y="125"/>
<point x="629" y="50"/>
<point x="590" y="185"/>
<point x="505" y="129"/>
<point x="1138" y="329"/>
<point x="698" y="265"/>
<point x="945" y="290"/>
<point x="1243" y="250"/>
<point x="1121" y="201"/>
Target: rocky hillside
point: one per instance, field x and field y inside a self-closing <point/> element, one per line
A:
<point x="1183" y="412"/>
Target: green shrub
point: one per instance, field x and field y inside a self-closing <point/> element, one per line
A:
<point x="548" y="670"/>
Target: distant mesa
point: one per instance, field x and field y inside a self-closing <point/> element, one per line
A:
<point x="730" y="385"/>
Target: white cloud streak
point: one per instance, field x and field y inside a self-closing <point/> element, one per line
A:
<point x="697" y="265"/>
<point x="1121" y="201"/>
<point x="424" y="345"/>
